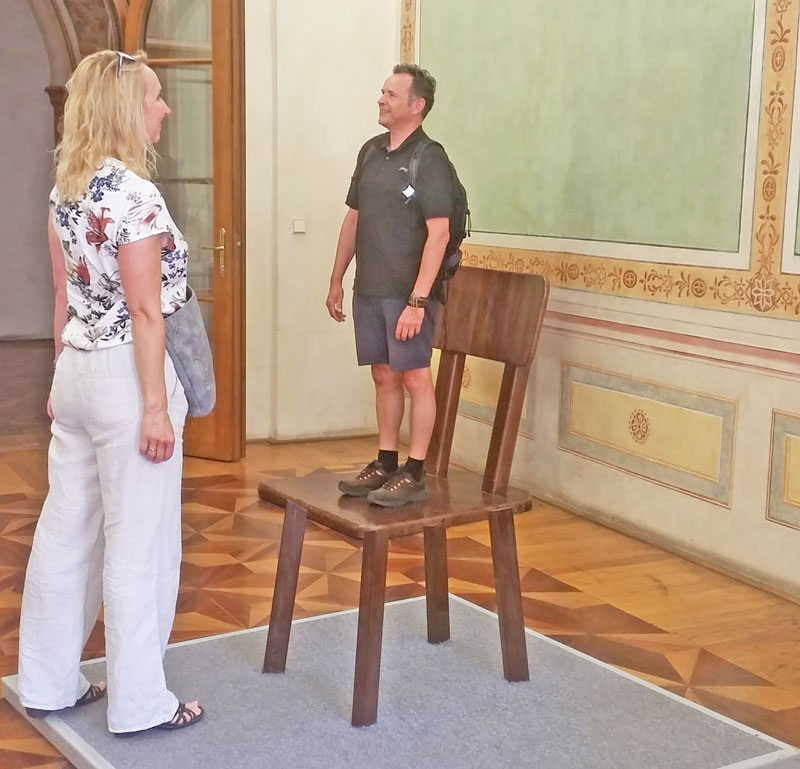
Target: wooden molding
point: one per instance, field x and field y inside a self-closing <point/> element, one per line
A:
<point x="58" y="96"/>
<point x="136" y="25"/>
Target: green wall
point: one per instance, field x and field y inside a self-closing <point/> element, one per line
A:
<point x="614" y="120"/>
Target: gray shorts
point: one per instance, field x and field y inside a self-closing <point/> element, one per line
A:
<point x="375" y="320"/>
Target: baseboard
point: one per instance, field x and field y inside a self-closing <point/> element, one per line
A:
<point x="702" y="558"/>
<point x="312" y="439"/>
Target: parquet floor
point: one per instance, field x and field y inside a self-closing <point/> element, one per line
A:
<point x="702" y="635"/>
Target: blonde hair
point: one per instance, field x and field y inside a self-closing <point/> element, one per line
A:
<point x="103" y="117"/>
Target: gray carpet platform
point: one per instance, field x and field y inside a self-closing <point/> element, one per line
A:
<point x="443" y="707"/>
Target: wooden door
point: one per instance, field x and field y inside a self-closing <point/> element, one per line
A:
<point x="195" y="47"/>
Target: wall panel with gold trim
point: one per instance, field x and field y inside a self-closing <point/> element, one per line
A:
<point x="783" y="498"/>
<point x="677" y="438"/>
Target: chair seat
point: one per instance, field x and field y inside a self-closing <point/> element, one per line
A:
<point x="453" y="500"/>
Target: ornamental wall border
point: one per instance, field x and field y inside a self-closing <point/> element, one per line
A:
<point x="762" y="289"/>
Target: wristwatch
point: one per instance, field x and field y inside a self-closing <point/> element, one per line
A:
<point x="417" y="301"/>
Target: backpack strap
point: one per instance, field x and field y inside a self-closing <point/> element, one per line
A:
<point x="413" y="164"/>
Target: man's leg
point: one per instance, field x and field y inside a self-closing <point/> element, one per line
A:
<point x="419" y="383"/>
<point x="389" y="404"/>
<point x="371" y="349"/>
<point x="412" y="358"/>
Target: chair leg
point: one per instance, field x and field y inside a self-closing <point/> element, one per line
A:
<point x="370" y="629"/>
<point x="509" y="596"/>
<point x="436" y="601"/>
<point x="280" y="620"/>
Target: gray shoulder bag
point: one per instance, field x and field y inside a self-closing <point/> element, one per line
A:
<point x="188" y="346"/>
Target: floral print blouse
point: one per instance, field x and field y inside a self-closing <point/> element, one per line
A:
<point x="119" y="207"/>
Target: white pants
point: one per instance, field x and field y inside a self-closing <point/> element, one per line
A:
<point x="109" y="531"/>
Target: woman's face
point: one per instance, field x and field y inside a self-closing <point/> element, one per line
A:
<point x="155" y="108"/>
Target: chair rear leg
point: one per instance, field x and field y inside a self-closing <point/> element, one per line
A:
<point x="280" y="620"/>
<point x="370" y="629"/>
<point x="509" y="596"/>
<point x="437" y="602"/>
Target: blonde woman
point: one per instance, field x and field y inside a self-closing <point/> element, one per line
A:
<point x="110" y="527"/>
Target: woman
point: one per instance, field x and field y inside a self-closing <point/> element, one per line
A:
<point x="110" y="526"/>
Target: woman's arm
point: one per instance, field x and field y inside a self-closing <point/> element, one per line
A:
<point x="59" y="269"/>
<point x="59" y="285"/>
<point x="140" y="272"/>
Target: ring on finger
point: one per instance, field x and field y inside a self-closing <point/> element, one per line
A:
<point x="151" y="450"/>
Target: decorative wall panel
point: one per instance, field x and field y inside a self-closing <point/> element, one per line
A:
<point x="783" y="497"/>
<point x="674" y="437"/>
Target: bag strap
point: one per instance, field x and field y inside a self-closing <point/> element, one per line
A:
<point x="413" y="165"/>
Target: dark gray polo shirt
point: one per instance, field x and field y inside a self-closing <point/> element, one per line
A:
<point x="391" y="225"/>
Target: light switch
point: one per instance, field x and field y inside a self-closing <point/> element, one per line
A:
<point x="299" y="224"/>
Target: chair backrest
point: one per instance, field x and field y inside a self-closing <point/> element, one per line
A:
<point x="494" y="315"/>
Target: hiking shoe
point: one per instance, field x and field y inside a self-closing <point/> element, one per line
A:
<point x="372" y="477"/>
<point x="400" y="489"/>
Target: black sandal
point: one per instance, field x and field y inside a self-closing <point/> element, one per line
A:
<point x="93" y="693"/>
<point x="183" y="717"/>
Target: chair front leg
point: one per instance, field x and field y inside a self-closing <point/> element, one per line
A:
<point x="436" y="598"/>
<point x="280" y="620"/>
<point x="509" y="595"/>
<point x="370" y="629"/>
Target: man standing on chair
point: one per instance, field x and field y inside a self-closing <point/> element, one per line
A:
<point x="398" y="233"/>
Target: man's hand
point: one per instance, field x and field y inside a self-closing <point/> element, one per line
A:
<point x="409" y="323"/>
<point x="334" y="303"/>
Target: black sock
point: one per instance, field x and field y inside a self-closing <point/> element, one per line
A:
<point x="388" y="459"/>
<point x="414" y="466"/>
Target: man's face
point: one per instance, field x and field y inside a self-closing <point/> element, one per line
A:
<point x="397" y="105"/>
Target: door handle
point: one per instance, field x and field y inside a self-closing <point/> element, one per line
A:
<point x="220" y="249"/>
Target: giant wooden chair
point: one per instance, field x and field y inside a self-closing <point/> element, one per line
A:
<point x="489" y="314"/>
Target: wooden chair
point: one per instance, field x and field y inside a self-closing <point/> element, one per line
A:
<point x="489" y="314"/>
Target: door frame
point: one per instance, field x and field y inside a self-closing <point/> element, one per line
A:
<point x="215" y="437"/>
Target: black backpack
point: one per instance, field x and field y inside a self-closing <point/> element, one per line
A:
<point x="460" y="220"/>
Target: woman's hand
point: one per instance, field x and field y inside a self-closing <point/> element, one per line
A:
<point x="158" y="437"/>
<point x="50" y="407"/>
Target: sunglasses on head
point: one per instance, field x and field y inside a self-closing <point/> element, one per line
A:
<point x="123" y="57"/>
